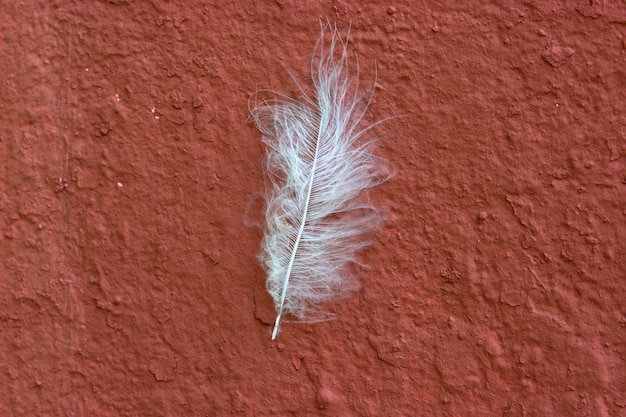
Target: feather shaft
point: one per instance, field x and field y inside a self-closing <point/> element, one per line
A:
<point x="296" y="244"/>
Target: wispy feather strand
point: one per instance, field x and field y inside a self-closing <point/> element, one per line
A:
<point x="317" y="164"/>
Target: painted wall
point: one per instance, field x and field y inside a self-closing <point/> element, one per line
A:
<point x="130" y="211"/>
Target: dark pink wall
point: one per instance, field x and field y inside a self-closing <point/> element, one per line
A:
<point x="129" y="284"/>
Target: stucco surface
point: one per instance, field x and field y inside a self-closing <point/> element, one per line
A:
<point x="130" y="183"/>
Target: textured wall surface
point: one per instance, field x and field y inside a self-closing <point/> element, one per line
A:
<point x="130" y="177"/>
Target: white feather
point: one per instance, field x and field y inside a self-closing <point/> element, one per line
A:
<point x="317" y="164"/>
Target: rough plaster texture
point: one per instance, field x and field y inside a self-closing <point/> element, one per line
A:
<point x="129" y="183"/>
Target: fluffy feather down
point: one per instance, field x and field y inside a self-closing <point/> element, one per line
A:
<point x="317" y="164"/>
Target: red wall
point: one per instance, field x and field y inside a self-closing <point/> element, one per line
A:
<point x="130" y="177"/>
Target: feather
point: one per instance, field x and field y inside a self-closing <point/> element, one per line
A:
<point x="317" y="164"/>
